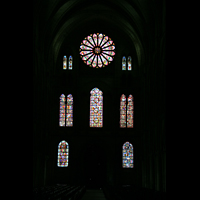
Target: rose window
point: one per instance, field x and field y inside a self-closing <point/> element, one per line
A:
<point x="97" y="50"/>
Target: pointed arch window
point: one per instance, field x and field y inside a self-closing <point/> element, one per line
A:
<point x="70" y="62"/>
<point x="69" y="112"/>
<point x="126" y="111"/>
<point x="96" y="108"/>
<point x="64" y="62"/>
<point x="63" y="154"/>
<point x="124" y="63"/>
<point x="127" y="155"/>
<point x="123" y="111"/>
<point x="62" y="110"/>
<point x="129" y="63"/>
<point x="130" y="111"/>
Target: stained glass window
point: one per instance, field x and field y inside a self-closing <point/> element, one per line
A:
<point x="130" y="112"/>
<point x="62" y="110"/>
<point x="127" y="155"/>
<point x="96" y="108"/>
<point x="124" y="63"/>
<point x="69" y="113"/>
<point x="70" y="62"/>
<point x="129" y="63"/>
<point x="64" y="62"/>
<point x="97" y="50"/>
<point x="123" y="111"/>
<point x="63" y="154"/>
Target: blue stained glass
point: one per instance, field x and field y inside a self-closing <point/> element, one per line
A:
<point x="127" y="153"/>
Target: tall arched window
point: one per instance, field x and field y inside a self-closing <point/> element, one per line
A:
<point x="130" y="111"/>
<point x="127" y="155"/>
<point x="124" y="63"/>
<point x="123" y="111"/>
<point x="70" y="62"/>
<point x="63" y="154"/>
<point x="64" y="62"/>
<point x="126" y="112"/>
<point x="69" y="112"/>
<point x="96" y="108"/>
<point x="129" y="63"/>
<point x="62" y="110"/>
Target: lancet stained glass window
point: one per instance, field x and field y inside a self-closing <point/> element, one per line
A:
<point x="130" y="111"/>
<point x="126" y="111"/>
<point x="62" y="110"/>
<point x="123" y="111"/>
<point x="124" y="63"/>
<point x="64" y="62"/>
<point x="96" y="108"/>
<point x="63" y="154"/>
<point x="69" y="113"/>
<point x="70" y="62"/>
<point x="97" y="50"/>
<point x="129" y="63"/>
<point x="127" y="155"/>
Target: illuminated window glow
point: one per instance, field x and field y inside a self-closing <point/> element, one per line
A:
<point x="69" y="113"/>
<point x="96" y="108"/>
<point x="123" y="111"/>
<point x="127" y="155"/>
<point x="62" y="110"/>
<point x="124" y="63"/>
<point x="97" y="50"/>
<point x="63" y="154"/>
<point x="70" y="62"/>
<point x="126" y="112"/>
<point x="129" y="63"/>
<point x="64" y="62"/>
<point x="130" y="112"/>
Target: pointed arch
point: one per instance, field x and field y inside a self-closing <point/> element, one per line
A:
<point x="129" y="63"/>
<point x="64" y="62"/>
<point x="70" y="62"/>
<point x="62" y="110"/>
<point x="96" y="108"/>
<point x="123" y="111"/>
<point x="130" y="111"/>
<point x="127" y="155"/>
<point x="69" y="111"/>
<point x="124" y="63"/>
<point x="63" y="154"/>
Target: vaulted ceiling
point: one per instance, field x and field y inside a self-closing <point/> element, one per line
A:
<point x="56" y="21"/>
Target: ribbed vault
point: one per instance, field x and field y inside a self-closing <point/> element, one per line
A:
<point x="64" y="18"/>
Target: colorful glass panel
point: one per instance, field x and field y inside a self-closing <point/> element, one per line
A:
<point x="63" y="154"/>
<point x="130" y="112"/>
<point x="95" y="39"/>
<point x="87" y="43"/>
<point x="100" y="37"/>
<point x="85" y="48"/>
<point x="64" y="62"/>
<point x="87" y="56"/>
<point x="127" y="155"/>
<point x="124" y="63"/>
<point x="85" y="52"/>
<point x="123" y="111"/>
<point x="107" y="44"/>
<point x="89" y="61"/>
<point x="129" y="63"/>
<point x="94" y="62"/>
<point x="69" y="113"/>
<point x="96" y="108"/>
<point x="107" y="57"/>
<point x="97" y="50"/>
<point x="62" y="110"/>
<point x="70" y="62"/>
